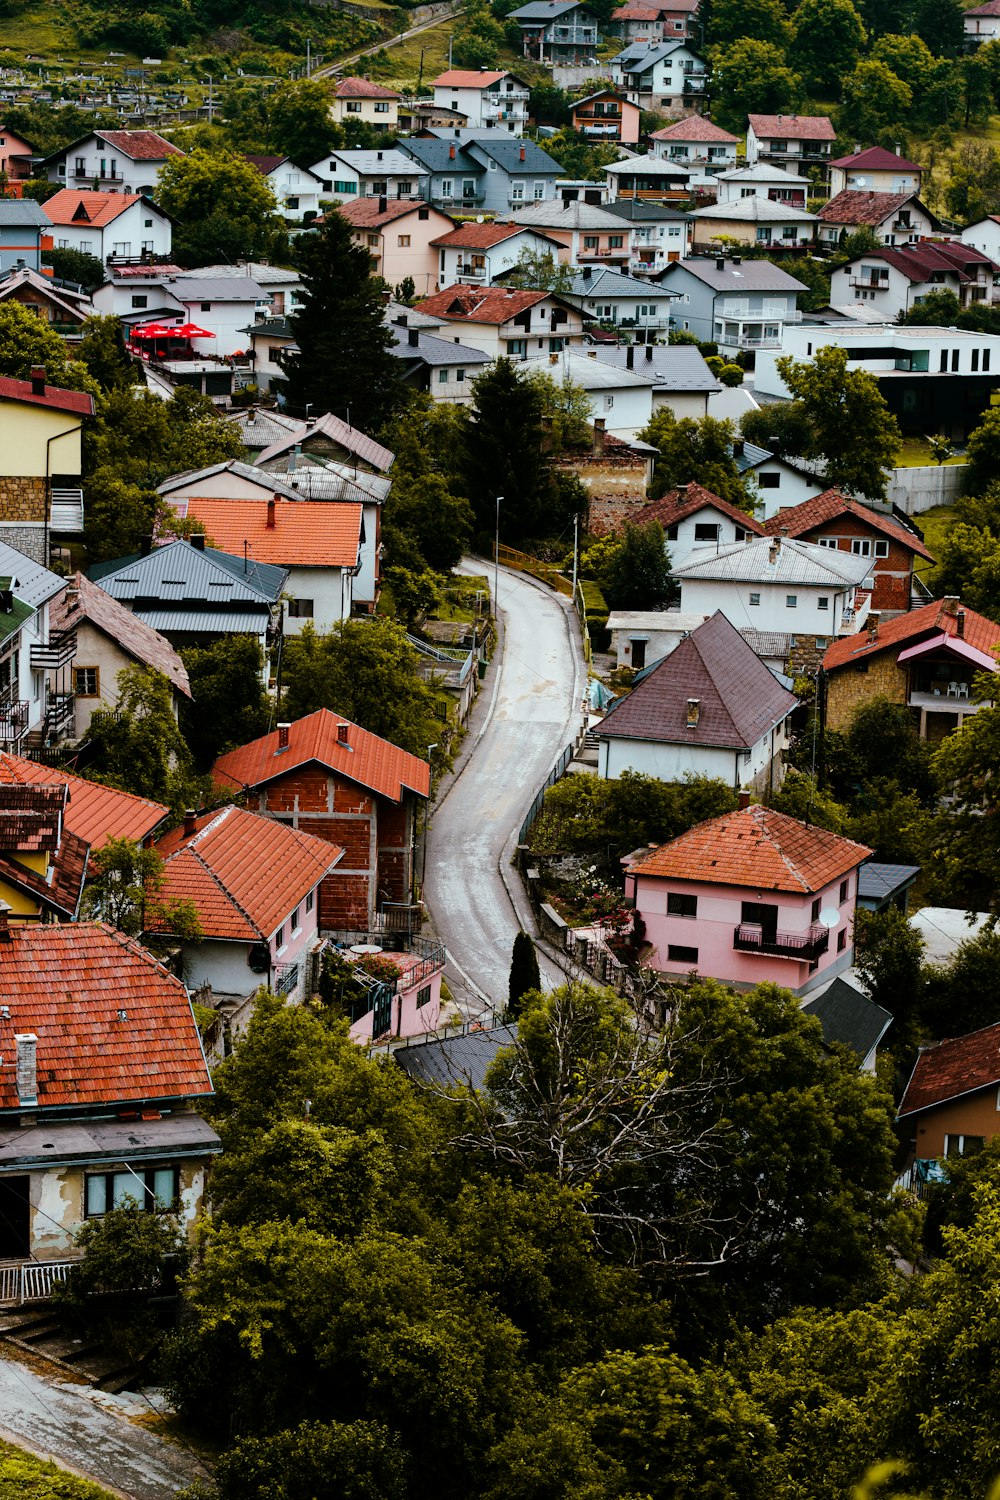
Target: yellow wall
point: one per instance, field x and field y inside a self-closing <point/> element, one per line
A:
<point x="24" y="431"/>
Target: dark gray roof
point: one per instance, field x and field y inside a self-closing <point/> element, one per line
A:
<point x="15" y="212"/>
<point x="434" y="351"/>
<point x="434" y="154"/>
<point x="277" y="328"/>
<point x="643" y="55"/>
<point x="739" y="698"/>
<point x="748" y="276"/>
<point x="878" y="882"/>
<point x="33" y="583"/>
<point x="506" y="152"/>
<point x="635" y="210"/>
<point x="601" y="282"/>
<point x="674" y="367"/>
<point x="457" y="1059"/>
<point x="197" y="288"/>
<point x="849" y="1017"/>
<point x="545" y="10"/>
<point x="179" y="573"/>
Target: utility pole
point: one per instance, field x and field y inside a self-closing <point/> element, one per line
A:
<point x="427" y="813"/>
<point x="496" y="565"/>
<point x="308" y="56"/>
<point x="576" y="538"/>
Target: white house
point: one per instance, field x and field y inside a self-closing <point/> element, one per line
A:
<point x="480" y="253"/>
<point x="370" y="174"/>
<point x="893" y="281"/>
<point x="122" y="161"/>
<point x="125" y="226"/>
<point x="621" y="398"/>
<point x="694" y="519"/>
<point x="609" y="297"/>
<point x="796" y="142"/>
<point x="894" y="218"/>
<point x="754" y="221"/>
<point x="984" y="235"/>
<point x="665" y="76"/>
<point x="221" y="306"/>
<point x="696" y="142"/>
<point x="366" y="103"/>
<point x="501" y="320"/>
<point x="28" y="649"/>
<point x="648" y="179"/>
<point x="681" y="379"/>
<point x="762" y="181"/>
<point x="778" y="483"/>
<point x="489" y="100"/>
<point x="296" y="189"/>
<point x="982" y="23"/>
<point x="640" y="637"/>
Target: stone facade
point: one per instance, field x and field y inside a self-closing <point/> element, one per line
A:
<point x="29" y="539"/>
<point x="849" y="686"/>
<point x="615" y="478"/>
<point x="22" y="499"/>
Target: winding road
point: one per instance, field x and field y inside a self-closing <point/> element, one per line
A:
<point x="532" y="711"/>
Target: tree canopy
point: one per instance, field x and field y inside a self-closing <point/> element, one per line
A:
<point x="845" y="420"/>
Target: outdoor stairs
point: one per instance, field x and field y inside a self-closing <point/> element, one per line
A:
<point x="37" y="1332"/>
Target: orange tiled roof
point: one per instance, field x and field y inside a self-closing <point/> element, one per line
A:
<point x="363" y="88"/>
<point x="959" y="1065"/>
<point x="58" y="891"/>
<point x="756" y="847"/>
<point x="83" y="207"/>
<point x="473" y="236"/>
<point x="472" y="78"/>
<point x="799" y="519"/>
<point x="677" y="505"/>
<point x="474" y="304"/>
<point x="140" y="145"/>
<point x="244" y="873"/>
<point x="95" y="813"/>
<point x="906" y="630"/>
<point x="31" y="817"/>
<point x="113" y="1026"/>
<point x="305" y="534"/>
<point x="855" y="207"/>
<point x="366" y="759"/>
<point x="697" y="128"/>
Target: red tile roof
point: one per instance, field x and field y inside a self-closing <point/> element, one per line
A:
<point x="71" y="206"/>
<point x="793" y="127"/>
<point x="305" y="534"/>
<point x="697" y="128"/>
<point x="959" y="1065"/>
<point x="877" y="159"/>
<point x="244" y="873"/>
<point x="472" y="78"/>
<point x="139" y="145"/>
<point x="95" y="813"/>
<point x="800" y="519"/>
<point x="991" y="8"/>
<point x="636" y="13"/>
<point x="54" y="396"/>
<point x="758" y="848"/>
<point x="854" y="207"/>
<point x="31" y="817"/>
<point x="364" y="213"/>
<point x="907" y="630"/>
<point x="363" y="88"/>
<point x="474" y="236"/>
<point x="474" y="304"/>
<point x="366" y="759"/>
<point x="92" y="605"/>
<point x="59" y="890"/>
<point x="113" y="1026"/>
<point x="687" y="500"/>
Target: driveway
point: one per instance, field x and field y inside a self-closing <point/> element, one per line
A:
<point x="525" y="717"/>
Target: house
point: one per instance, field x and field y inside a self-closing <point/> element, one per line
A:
<point x="358" y="100"/>
<point x="106" y="639"/>
<point x="710" y="708"/>
<point x="216" y="307"/>
<point x="695" y="142"/>
<point x="762" y="181"/>
<point x="271" y="341"/>
<point x="93" y="812"/>
<point x="658" y="234"/>
<point x="621" y="398"/>
<point x="134" y="291"/>
<point x="400" y="978"/>
<point x="926" y="659"/>
<point x="370" y="174"/>
<point x="327" y="437"/>
<point x="776" y="481"/>
<point x="123" y="226"/>
<point x="648" y="179"/>
<point x="28" y="647"/>
<point x="835" y="521"/>
<point x="741" y="305"/>
<point x="615" y="473"/>
<point x="693" y="519"/>
<point x="606" y="296"/>
<point x="949" y="1105"/>
<point x="639" y="21"/>
<point x="318" y="544"/>
<point x="753" y="221"/>
<point x="280" y="285"/>
<point x="606" y="116"/>
<point x="42" y="865"/>
<point x="101" y="1096"/>
<point x="327" y="776"/>
<point x="15" y="155"/>
<point x="25" y="231"/>
<point x="590" y="234"/>
<point x="881" y="886"/>
<point x="894" y="218"/>
<point x="557" y="33"/>
<point x="500" y="321"/>
<point x="419" y="115"/>
<point x="63" y="306"/>
<point x="796" y="142"/>
<point x="444" y="368"/>
<point x="516" y="172"/>
<point x="982" y="23"/>
<point x="897" y="280"/>
<point x="254" y="883"/>
<point x="123" y="161"/>
<point x="874" y="171"/>
<point x="40" y="454"/>
<point x="933" y="379"/>
<point x="400" y="236"/>
<point x="750" y="897"/>
<point x="848" y="1017"/>
<point x="455" y="181"/>
<point x="668" y="77"/>
<point x="984" y="235"/>
<point x="643" y="636"/>
<point x="776" y="583"/>
<point x="481" y="253"/>
<point x="488" y="100"/>
<point x="296" y="190"/>
<point x="681" y="379"/>
<point x="195" y="594"/>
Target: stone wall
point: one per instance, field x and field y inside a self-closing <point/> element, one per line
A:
<point x="22" y="499"/>
<point x="29" y="539"/>
<point x="850" y="686"/>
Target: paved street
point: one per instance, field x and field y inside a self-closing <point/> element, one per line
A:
<point x="523" y="721"/>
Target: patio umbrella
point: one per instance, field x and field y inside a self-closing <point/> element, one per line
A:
<point x="151" y="331"/>
<point x="192" y="331"/>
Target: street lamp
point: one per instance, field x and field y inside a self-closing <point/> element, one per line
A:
<point x="427" y="812"/>
<point x="496" y="564"/>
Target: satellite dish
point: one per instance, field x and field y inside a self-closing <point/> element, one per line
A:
<point x="829" y="916"/>
<point x="480" y="219"/>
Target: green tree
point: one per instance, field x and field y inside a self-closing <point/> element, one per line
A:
<point x="937" y="309"/>
<point x="695" y="451"/>
<point x="299" y="120"/>
<point x="478" y="39"/>
<point x="137" y="746"/>
<point x="908" y="57"/>
<point x="123" y="888"/>
<point x="939" y="23"/>
<point x="524" y="975"/>
<point x="504" y="457"/>
<point x="344" y="359"/>
<point x="973" y="189"/>
<point x="829" y="38"/>
<point x="229" y="705"/>
<point x="538" y="270"/>
<point x="367" y="671"/>
<point x="565" y="411"/>
<point x="983" y="453"/>
<point x="965" y="763"/>
<point x="118" y="516"/>
<point x="636" y="575"/>
<point x="888" y="955"/>
<point x="962" y="996"/>
<point x="782" y="428"/>
<point x="851" y="428"/>
<point x="874" y="99"/>
<point x="76" y="266"/>
<point x="968" y="566"/>
<point x="753" y="77"/>
<point x="102" y="350"/>
<point x="354" y="1460"/>
<point x="759" y="20"/>
<point x="223" y="209"/>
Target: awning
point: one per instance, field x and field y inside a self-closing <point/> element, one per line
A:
<point x="955" y="646"/>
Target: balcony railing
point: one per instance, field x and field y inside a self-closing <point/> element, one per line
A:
<point x="13" y="718"/>
<point x="868" y="283"/>
<point x="743" y="341"/>
<point x="31" y="1280"/>
<point x="285" y="978"/>
<point x="804" y="946"/>
<point x="57" y="653"/>
<point x="59" y="714"/>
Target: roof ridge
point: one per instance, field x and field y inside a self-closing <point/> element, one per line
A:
<point x="226" y="892"/>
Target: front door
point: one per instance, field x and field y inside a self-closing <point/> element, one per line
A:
<point x="638" y="655"/>
<point x="15" y="1218"/>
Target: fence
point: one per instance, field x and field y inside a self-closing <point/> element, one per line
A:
<point x="581" y="609"/>
<point x="521" y="562"/>
<point x="550" y="780"/>
<point x="31" y="1280"/>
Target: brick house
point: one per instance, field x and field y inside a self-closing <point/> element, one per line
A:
<point x="951" y="1101"/>
<point x="835" y="521"/>
<point x="329" y="777"/>
<point x="925" y="659"/>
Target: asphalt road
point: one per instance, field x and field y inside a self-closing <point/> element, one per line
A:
<point x="523" y="720"/>
<point x="332" y="69"/>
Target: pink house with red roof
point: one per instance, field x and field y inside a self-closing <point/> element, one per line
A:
<point x="360" y="101"/>
<point x="750" y="897"/>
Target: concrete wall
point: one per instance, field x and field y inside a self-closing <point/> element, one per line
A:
<point x="24" y="431"/>
<point x="57" y="1203"/>
<point x="919" y="489"/>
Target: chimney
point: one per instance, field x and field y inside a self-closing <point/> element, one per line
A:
<point x="38" y="380"/>
<point x="343" y="735"/>
<point x="283" y="736"/>
<point x="27" y="1068"/>
<point x="600" y="435"/>
<point x="4" y="928"/>
<point x="523" y="154"/>
<point x="872" y="628"/>
<point x="720" y="265"/>
<point x="693" y="713"/>
<point x="451" y="153"/>
<point x="413" y="338"/>
<point x="738" y="448"/>
<point x="744" y="799"/>
<point x="773" y="550"/>
<point x="386" y="298"/>
<point x="198" y="541"/>
<point x="899" y="149"/>
<point x="949" y="604"/>
<point x="588" y="271"/>
<point x="270" y="513"/>
<point x="378" y="155"/>
<point x="649" y="353"/>
<point x="145" y="546"/>
<point x="190" y="822"/>
<point x="402" y="321"/>
<point x="553" y="359"/>
<point x="629" y="357"/>
<point x="383" y="204"/>
<point x="960" y="624"/>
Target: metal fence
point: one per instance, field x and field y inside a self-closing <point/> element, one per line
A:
<point x="550" y="780"/>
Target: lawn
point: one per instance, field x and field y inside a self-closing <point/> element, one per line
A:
<point x="24" y="1477"/>
<point x="916" y="453"/>
<point x="935" y="525"/>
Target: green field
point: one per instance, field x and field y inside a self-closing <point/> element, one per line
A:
<point x="935" y="525"/>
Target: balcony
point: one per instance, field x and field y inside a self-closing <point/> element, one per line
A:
<point x="66" y="509"/>
<point x="56" y="654"/>
<point x="868" y="284"/>
<point x="621" y="252"/>
<point x="805" y="947"/>
<point x="572" y="36"/>
<point x="471" y="273"/>
<point x="744" y="341"/>
<point x="285" y="978"/>
<point x="59" y="714"/>
<point x="13" y="719"/>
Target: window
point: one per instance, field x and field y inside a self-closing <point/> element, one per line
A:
<point x="954" y="359"/>
<point x="944" y="360"/>
<point x="381" y="107"/>
<point x="140" y="301"/>
<point x="206" y="307"/>
<point x="768" y="481"/>
<point x="371" y="239"/>
<point x="754" y="598"/>
<point x="705" y="532"/>
<point x="678" y="954"/>
<point x="443" y="377"/>
<point x="447" y="187"/>
<point x="821" y="643"/>
<point x="310" y="901"/>
<point x="823" y="602"/>
<point x="616" y="241"/>
<point x="403" y="240"/>
<point x="404" y="189"/>
<point x="459" y="375"/>
<point x="986" y="359"/>
<point x="609" y="402"/>
<point x="86" y="682"/>
<point x="591" y="241"/>
<point x="151" y="1187"/>
<point x="300" y="609"/>
<point x="147" y="223"/>
<point x="842" y="940"/>
<point x="845" y="886"/>
<point x="814" y="915"/>
<point x="345" y="188"/>
<point x="538" y="192"/>
<point x="681" y="906"/>
<point x="881" y="549"/>
<point x="861" y="546"/>
<point x="517" y="192"/>
<point x="975" y="360"/>
<point x="828" y="541"/>
<point x="791" y="601"/>
<point x="297" y="919"/>
<point x="963" y="1145"/>
<point x="468" y="187"/>
<point x="353" y="106"/>
<point x="279" y="939"/>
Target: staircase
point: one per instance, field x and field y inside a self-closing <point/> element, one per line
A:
<point x="37" y="1332"/>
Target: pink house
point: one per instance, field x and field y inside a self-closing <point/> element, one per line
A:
<point x="748" y="898"/>
<point x="408" y="1005"/>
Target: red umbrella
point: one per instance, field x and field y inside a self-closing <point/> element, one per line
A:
<point x="192" y="331"/>
<point x="151" y="331"/>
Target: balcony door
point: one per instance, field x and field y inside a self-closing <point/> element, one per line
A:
<point x="15" y="1218"/>
<point x="757" y="914"/>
